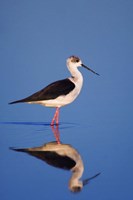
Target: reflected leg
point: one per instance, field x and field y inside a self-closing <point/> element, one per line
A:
<point x="56" y="133"/>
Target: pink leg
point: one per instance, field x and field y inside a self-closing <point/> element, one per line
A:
<point x="56" y="117"/>
<point x="56" y="133"/>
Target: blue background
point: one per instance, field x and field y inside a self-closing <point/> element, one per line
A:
<point x="36" y="37"/>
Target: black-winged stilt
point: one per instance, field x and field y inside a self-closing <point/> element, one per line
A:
<point x="62" y="156"/>
<point x="62" y="92"/>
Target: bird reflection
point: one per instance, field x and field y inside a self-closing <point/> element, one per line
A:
<point x="62" y="156"/>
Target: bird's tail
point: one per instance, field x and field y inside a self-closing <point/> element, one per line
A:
<point x="18" y="101"/>
<point x="19" y="150"/>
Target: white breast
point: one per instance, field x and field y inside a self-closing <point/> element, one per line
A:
<point x="64" y="99"/>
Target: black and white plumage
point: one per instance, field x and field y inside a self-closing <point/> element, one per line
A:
<point x="62" y="92"/>
<point x="62" y="156"/>
<point x="52" y="91"/>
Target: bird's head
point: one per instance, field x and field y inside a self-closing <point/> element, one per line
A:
<point x="74" y="62"/>
<point x="75" y="186"/>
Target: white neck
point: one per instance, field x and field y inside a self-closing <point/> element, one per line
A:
<point x="76" y="74"/>
<point x="76" y="78"/>
<point x="77" y="172"/>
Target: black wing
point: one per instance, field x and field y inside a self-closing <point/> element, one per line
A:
<point x="54" y="159"/>
<point x="52" y="91"/>
<point x="51" y="157"/>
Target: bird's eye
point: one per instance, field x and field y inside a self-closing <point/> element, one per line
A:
<point x="77" y="60"/>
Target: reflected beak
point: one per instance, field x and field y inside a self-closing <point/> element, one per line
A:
<point x="89" y="69"/>
<point x="86" y="181"/>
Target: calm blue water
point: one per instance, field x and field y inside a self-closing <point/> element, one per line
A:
<point x="102" y="147"/>
<point x="36" y="37"/>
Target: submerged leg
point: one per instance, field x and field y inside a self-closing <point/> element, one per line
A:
<point x="56" y="117"/>
<point x="56" y="133"/>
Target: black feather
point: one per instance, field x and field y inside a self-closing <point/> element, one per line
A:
<point x="52" y="91"/>
<point x="51" y="157"/>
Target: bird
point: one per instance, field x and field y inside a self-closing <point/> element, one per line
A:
<point x="63" y="156"/>
<point x="61" y="92"/>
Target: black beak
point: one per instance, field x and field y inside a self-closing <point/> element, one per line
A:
<point x="89" y="69"/>
<point x="86" y="181"/>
